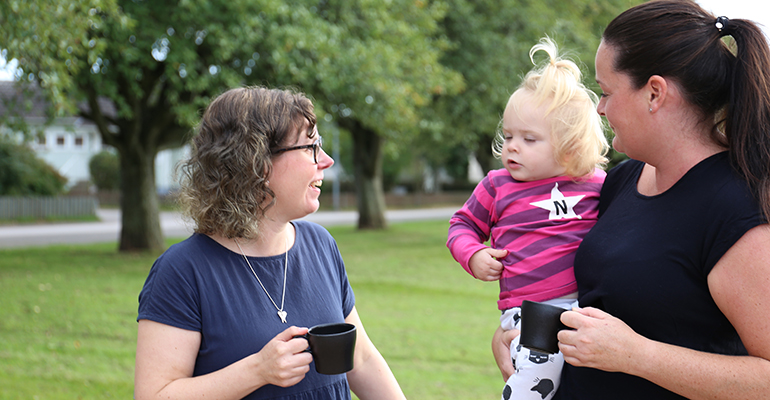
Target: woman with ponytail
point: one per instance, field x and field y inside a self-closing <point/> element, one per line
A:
<point x="674" y="279"/>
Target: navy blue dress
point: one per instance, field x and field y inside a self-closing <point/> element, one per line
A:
<point x="199" y="285"/>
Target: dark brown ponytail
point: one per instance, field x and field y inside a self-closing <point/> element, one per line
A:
<point x="747" y="119"/>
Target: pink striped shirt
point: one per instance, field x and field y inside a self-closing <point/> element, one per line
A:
<point x="541" y="224"/>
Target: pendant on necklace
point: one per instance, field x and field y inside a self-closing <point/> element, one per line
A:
<point x="281" y="312"/>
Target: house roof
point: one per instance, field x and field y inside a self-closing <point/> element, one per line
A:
<point x="29" y="102"/>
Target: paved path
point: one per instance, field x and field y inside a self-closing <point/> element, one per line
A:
<point x="108" y="229"/>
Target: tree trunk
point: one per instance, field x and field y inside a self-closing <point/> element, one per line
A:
<point x="367" y="162"/>
<point x="140" y="230"/>
<point x="484" y="154"/>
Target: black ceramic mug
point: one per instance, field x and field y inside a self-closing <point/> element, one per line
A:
<point x="540" y="323"/>
<point x="332" y="347"/>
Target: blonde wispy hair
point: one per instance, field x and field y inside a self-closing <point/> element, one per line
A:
<point x="577" y="130"/>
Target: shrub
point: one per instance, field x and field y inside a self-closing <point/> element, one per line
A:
<point x="105" y="170"/>
<point x="22" y="173"/>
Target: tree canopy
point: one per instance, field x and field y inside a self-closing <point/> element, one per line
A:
<point x="143" y="68"/>
<point x="425" y="75"/>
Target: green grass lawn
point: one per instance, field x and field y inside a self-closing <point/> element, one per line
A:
<point x="68" y="329"/>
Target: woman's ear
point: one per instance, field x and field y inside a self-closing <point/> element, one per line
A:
<point x="657" y="91"/>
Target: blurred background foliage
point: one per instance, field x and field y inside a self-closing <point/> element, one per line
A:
<point x="104" y="168"/>
<point x="22" y="173"/>
<point x="410" y="85"/>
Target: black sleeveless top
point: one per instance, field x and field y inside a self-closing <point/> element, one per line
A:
<point x="647" y="261"/>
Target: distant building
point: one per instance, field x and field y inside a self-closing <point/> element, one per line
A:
<point x="68" y="143"/>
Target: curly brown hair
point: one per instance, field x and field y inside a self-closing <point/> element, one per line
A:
<point x="224" y="181"/>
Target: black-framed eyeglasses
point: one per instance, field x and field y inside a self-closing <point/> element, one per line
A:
<point x="316" y="146"/>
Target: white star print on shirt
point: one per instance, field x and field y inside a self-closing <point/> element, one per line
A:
<point x="559" y="206"/>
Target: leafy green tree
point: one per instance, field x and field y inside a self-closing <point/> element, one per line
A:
<point x="143" y="68"/>
<point x="146" y="68"/>
<point x="22" y="173"/>
<point x="371" y="65"/>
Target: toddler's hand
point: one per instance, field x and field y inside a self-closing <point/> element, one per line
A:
<point x="485" y="264"/>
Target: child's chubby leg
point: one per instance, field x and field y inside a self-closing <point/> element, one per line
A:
<point x="501" y="343"/>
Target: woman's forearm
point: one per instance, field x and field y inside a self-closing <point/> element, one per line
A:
<point x="699" y="375"/>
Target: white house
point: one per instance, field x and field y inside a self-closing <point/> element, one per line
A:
<point x="69" y="143"/>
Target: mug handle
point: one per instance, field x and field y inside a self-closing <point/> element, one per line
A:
<point x="307" y="350"/>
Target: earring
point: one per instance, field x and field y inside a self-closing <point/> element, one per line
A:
<point x="650" y="109"/>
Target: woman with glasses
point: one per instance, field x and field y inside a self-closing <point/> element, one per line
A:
<point x="219" y="312"/>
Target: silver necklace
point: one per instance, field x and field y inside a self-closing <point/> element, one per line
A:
<point x="281" y="312"/>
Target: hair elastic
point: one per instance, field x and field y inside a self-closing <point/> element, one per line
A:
<point x="721" y="24"/>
